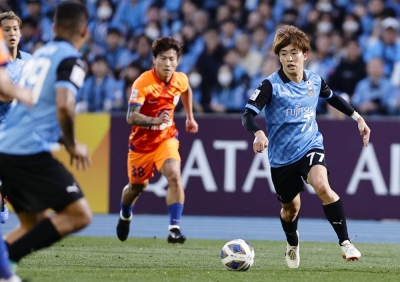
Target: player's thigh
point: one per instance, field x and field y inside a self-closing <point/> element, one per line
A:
<point x="168" y="159"/>
<point x="287" y="182"/>
<point x="140" y="167"/>
<point x="313" y="166"/>
<point x="35" y="183"/>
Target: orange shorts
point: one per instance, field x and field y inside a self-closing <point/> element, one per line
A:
<point x="141" y="165"/>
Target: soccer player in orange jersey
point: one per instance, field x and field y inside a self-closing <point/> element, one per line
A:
<point x="153" y="141"/>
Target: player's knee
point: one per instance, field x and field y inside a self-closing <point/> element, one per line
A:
<point x="322" y="188"/>
<point x="289" y="215"/>
<point x="174" y="178"/>
<point x="137" y="188"/>
<point x="83" y="219"/>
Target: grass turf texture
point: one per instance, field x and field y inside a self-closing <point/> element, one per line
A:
<point x="145" y="259"/>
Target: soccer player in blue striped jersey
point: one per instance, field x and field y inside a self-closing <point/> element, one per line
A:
<point x="295" y="146"/>
<point x="33" y="180"/>
<point x="11" y="25"/>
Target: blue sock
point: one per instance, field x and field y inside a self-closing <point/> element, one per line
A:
<point x="5" y="269"/>
<point x="175" y="213"/>
<point x="126" y="210"/>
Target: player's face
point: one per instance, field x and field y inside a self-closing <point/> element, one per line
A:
<point x="165" y="64"/>
<point x="292" y="60"/>
<point x="11" y="31"/>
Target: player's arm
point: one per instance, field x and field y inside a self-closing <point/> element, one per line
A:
<point x="70" y="75"/>
<point x="134" y="117"/>
<point x="9" y="91"/>
<point x="341" y="105"/>
<point x="260" y="98"/>
<point x="187" y="102"/>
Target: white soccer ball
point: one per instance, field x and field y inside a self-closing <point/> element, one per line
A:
<point x="237" y="255"/>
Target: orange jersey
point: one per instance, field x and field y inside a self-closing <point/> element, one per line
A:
<point x="4" y="54"/>
<point x="154" y="97"/>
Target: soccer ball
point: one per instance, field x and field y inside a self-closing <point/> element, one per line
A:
<point x="237" y="255"/>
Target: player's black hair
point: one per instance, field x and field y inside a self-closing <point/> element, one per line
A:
<point x="164" y="44"/>
<point x="70" y="14"/>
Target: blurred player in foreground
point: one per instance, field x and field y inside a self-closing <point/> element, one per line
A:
<point x="32" y="179"/>
<point x="295" y="147"/>
<point x="11" y="25"/>
<point x="153" y="141"/>
<point x="8" y="92"/>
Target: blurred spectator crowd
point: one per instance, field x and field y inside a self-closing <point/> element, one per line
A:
<point x="226" y="47"/>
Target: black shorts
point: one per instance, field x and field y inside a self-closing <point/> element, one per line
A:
<point x="288" y="180"/>
<point x="34" y="183"/>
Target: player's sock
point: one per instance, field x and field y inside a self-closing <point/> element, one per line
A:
<point x="290" y="229"/>
<point x="5" y="268"/>
<point x="335" y="214"/>
<point x="42" y="235"/>
<point x="175" y="213"/>
<point x="126" y="210"/>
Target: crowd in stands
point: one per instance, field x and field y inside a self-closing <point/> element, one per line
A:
<point x="227" y="47"/>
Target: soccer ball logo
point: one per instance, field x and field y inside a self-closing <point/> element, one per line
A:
<point x="237" y="255"/>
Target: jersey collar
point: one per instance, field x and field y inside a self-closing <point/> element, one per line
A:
<point x="19" y="56"/>
<point x="286" y="79"/>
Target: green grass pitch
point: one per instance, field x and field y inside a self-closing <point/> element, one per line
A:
<point x="145" y="259"/>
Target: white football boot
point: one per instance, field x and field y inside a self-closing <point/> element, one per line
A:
<point x="292" y="254"/>
<point x="349" y="252"/>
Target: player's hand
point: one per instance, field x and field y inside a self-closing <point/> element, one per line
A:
<point x="25" y="96"/>
<point x="191" y="126"/>
<point x="365" y="132"/>
<point x="260" y="142"/>
<point x="79" y="153"/>
<point x="162" y="118"/>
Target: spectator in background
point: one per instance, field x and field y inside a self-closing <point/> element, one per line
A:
<point x="44" y="24"/>
<point x="193" y="46"/>
<point x="126" y="77"/>
<point x="323" y="63"/>
<point x="208" y="65"/>
<point x="229" y="95"/>
<point x="375" y="94"/>
<point x="238" y="12"/>
<point x="28" y="34"/>
<point x="259" y="39"/>
<point x="130" y="15"/>
<point x="228" y="33"/>
<point x="100" y="92"/>
<point x="253" y="21"/>
<point x="231" y="59"/>
<point x="269" y="65"/>
<point x="265" y="11"/>
<point x="200" y="21"/>
<point x="143" y="55"/>
<point x="99" y="25"/>
<point x="375" y="13"/>
<point x="187" y="11"/>
<point x="350" y="70"/>
<point x="250" y="60"/>
<point x="117" y="55"/>
<point x="223" y="14"/>
<point x="387" y="48"/>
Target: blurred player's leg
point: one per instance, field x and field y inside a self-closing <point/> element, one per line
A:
<point x="26" y="223"/>
<point x="74" y="217"/>
<point x="6" y="274"/>
<point x="130" y="194"/>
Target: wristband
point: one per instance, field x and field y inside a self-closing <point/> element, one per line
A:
<point x="355" y="116"/>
